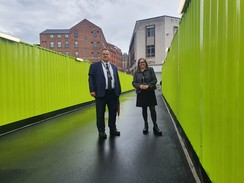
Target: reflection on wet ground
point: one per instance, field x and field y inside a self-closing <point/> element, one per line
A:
<point x="67" y="149"/>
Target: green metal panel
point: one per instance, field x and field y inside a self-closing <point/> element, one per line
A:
<point x="126" y="81"/>
<point x="36" y="81"/>
<point x="189" y="83"/>
<point x="210" y="84"/>
<point x="170" y="78"/>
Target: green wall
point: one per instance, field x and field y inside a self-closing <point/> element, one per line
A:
<point x="35" y="81"/>
<point x="203" y="84"/>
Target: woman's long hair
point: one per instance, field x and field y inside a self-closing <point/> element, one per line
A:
<point x="138" y="67"/>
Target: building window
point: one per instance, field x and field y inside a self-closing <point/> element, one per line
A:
<point x="76" y="34"/>
<point x="67" y="53"/>
<point x="151" y="51"/>
<point x="151" y="31"/>
<point x="59" y="44"/>
<point x="95" y="54"/>
<point x="76" y="44"/>
<point x="94" y="44"/>
<point x="59" y="36"/>
<point x="66" y="36"/>
<point x="94" y="33"/>
<point x="51" y="36"/>
<point x="76" y="54"/>
<point x="51" y="44"/>
<point x="66" y="44"/>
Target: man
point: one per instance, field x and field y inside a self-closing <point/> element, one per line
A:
<point x="104" y="85"/>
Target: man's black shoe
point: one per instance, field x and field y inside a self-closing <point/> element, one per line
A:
<point x="102" y="135"/>
<point x="115" y="133"/>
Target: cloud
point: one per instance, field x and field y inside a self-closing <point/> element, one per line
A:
<point x="26" y="19"/>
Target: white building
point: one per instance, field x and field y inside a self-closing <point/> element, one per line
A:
<point x="150" y="39"/>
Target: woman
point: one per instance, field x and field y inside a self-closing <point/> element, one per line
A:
<point x="144" y="81"/>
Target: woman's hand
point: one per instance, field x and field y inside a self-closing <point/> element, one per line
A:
<point x="144" y="87"/>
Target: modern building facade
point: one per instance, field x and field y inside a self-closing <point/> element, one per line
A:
<point x="150" y="39"/>
<point x="84" y="40"/>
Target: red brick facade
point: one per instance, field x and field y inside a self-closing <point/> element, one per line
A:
<point x="84" y="40"/>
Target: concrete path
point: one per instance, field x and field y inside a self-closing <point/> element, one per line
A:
<point x="66" y="149"/>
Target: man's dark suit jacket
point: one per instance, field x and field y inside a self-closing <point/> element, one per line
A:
<point x="97" y="80"/>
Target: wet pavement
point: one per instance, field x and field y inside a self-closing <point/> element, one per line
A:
<point x="67" y="149"/>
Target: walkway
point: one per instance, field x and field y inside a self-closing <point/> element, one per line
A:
<point x="66" y="149"/>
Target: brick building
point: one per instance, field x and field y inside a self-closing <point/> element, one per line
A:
<point x="84" y="40"/>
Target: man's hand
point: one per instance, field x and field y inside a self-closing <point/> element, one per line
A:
<point x="93" y="94"/>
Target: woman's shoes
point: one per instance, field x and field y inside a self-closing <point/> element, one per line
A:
<point x="145" y="130"/>
<point x="157" y="131"/>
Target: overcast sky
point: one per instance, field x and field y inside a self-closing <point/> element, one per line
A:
<point x="26" y="19"/>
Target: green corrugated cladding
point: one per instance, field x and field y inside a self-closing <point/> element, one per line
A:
<point x="35" y="81"/>
<point x="203" y="83"/>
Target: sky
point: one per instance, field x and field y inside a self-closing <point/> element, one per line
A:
<point x="26" y="19"/>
